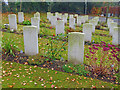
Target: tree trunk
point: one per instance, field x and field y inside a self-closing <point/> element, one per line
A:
<point x="107" y="12"/>
<point x="20" y="5"/>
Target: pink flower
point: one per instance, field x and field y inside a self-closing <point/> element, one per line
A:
<point x="91" y="52"/>
<point x="86" y="56"/>
<point x="118" y="59"/>
<point x="105" y="48"/>
<point x="52" y="86"/>
<point x="90" y="48"/>
<point x="114" y="55"/>
<point x="117" y="49"/>
<point x="96" y="44"/>
<point x="113" y="45"/>
<point x="95" y="58"/>
<point x="95" y="48"/>
<point x="109" y="45"/>
<point x="110" y="58"/>
<point x="103" y="42"/>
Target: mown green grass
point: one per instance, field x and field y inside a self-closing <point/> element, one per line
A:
<point x="59" y="79"/>
<point x="43" y="48"/>
<point x="18" y="39"/>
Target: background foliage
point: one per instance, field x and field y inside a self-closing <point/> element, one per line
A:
<point x="69" y="7"/>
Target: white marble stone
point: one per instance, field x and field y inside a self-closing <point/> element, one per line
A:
<point x="56" y="14"/>
<point x="112" y="25"/>
<point x="87" y="30"/>
<point x="60" y="15"/>
<point x="86" y="18"/>
<point x="82" y="19"/>
<point x="70" y="16"/>
<point x="53" y="21"/>
<point x="37" y="14"/>
<point x="36" y="22"/>
<point x="96" y="19"/>
<point x="72" y="23"/>
<point x="30" y="34"/>
<point x="59" y="27"/>
<point x="66" y="14"/>
<point x="12" y="21"/>
<point x="93" y="22"/>
<point x="116" y="36"/>
<point x="109" y="21"/>
<point x="48" y="15"/>
<point x="76" y="47"/>
<point x="20" y="17"/>
<point x="79" y="22"/>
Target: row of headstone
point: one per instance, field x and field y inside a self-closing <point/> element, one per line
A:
<point x="94" y="22"/>
<point x="114" y="31"/>
<point x="57" y="21"/>
<point x="88" y="28"/>
<point x="75" y="44"/>
<point x="31" y="35"/>
<point x="13" y="20"/>
<point x="111" y="24"/>
<point x="116" y="36"/>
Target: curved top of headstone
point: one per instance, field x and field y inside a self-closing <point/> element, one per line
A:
<point x="29" y="27"/>
<point x="76" y="33"/>
<point x="87" y="24"/>
<point x="12" y="15"/>
<point x="113" y="23"/>
<point x="117" y="28"/>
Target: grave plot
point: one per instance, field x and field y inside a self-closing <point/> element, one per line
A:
<point x="94" y="62"/>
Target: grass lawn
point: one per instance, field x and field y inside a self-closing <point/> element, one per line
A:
<point x="24" y="76"/>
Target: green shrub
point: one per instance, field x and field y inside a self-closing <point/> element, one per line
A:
<point x="9" y="47"/>
<point x="27" y="22"/>
<point x="66" y="68"/>
<point x="79" y="69"/>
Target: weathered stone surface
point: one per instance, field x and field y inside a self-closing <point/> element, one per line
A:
<point x="37" y="14"/>
<point x="76" y="47"/>
<point x="59" y="27"/>
<point x="87" y="30"/>
<point x="116" y="36"/>
<point x="30" y="34"/>
<point x="112" y="25"/>
<point x="72" y="23"/>
<point x="12" y="22"/>
<point x="20" y="17"/>
<point x="36" y="22"/>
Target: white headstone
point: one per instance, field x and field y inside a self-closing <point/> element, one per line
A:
<point x="59" y="27"/>
<point x="37" y="14"/>
<point x="112" y="25"/>
<point x="70" y="16"/>
<point x="30" y="34"/>
<point x="86" y="18"/>
<point x="115" y="37"/>
<point x="48" y="15"/>
<point x="87" y="30"/>
<point x="20" y="17"/>
<point x="76" y="47"/>
<point x="93" y="22"/>
<point x="53" y="21"/>
<point x="36" y="22"/>
<point x="56" y="14"/>
<point x="12" y="22"/>
<point x="79" y="21"/>
<point x="109" y="21"/>
<point x="72" y="23"/>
